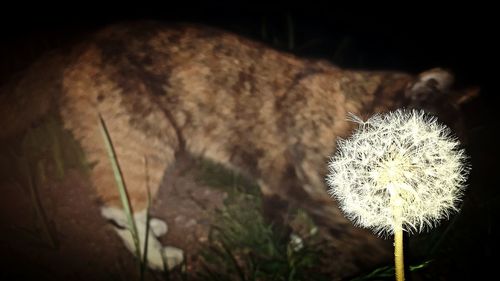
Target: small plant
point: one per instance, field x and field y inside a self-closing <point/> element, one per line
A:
<point x="243" y="246"/>
<point x="402" y="171"/>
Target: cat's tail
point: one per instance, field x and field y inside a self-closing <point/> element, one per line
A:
<point x="26" y="98"/>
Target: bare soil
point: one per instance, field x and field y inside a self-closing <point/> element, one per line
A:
<point x="84" y="246"/>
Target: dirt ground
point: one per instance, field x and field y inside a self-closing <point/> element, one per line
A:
<point x="84" y="246"/>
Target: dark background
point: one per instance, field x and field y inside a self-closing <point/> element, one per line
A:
<point x="410" y="37"/>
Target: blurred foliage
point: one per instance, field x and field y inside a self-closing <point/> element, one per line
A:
<point x="244" y="246"/>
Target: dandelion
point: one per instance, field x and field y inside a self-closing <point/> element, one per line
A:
<point x="401" y="171"/>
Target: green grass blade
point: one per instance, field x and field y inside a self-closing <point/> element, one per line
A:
<point x="121" y="185"/>
<point x="144" y="263"/>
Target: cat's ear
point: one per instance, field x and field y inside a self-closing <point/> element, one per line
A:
<point x="429" y="83"/>
<point x="436" y="78"/>
<point x="434" y="83"/>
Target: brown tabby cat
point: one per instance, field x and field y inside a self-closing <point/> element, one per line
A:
<point x="165" y="90"/>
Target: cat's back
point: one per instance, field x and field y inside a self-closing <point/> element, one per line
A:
<point x="126" y="56"/>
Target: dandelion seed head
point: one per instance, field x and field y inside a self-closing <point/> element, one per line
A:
<point x="405" y="153"/>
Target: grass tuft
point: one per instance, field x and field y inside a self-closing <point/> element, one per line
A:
<point x="244" y="246"/>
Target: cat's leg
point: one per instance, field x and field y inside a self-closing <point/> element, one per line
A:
<point x="138" y="178"/>
<point x="144" y="141"/>
<point x="142" y="162"/>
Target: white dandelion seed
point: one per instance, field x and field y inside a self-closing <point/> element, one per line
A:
<point x="405" y="158"/>
<point x="398" y="171"/>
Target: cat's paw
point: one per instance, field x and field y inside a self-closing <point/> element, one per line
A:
<point x="173" y="256"/>
<point x="115" y="215"/>
<point x="157" y="226"/>
<point x="164" y="258"/>
<point x="156" y="253"/>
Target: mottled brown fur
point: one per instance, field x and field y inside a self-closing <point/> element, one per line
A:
<point x="167" y="90"/>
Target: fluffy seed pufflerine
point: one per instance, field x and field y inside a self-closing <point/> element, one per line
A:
<point x="403" y="159"/>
